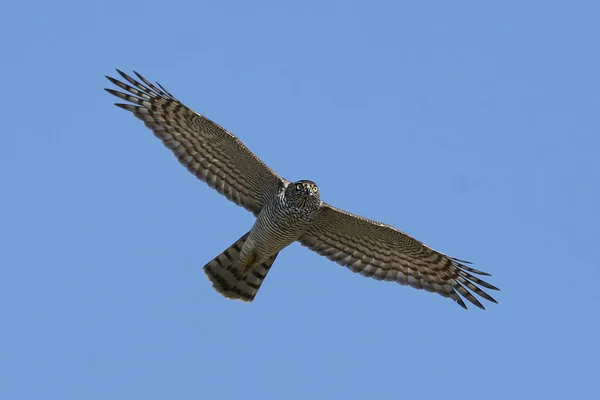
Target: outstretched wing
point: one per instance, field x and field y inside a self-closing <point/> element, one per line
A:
<point x="380" y="251"/>
<point x="207" y="150"/>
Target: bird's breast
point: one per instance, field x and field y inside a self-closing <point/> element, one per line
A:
<point x="276" y="227"/>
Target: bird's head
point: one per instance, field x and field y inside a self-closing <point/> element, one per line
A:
<point x="304" y="193"/>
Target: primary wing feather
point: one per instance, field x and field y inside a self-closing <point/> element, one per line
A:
<point x="214" y="155"/>
<point x="382" y="252"/>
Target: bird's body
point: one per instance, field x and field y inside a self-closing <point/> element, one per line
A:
<point x="281" y="222"/>
<point x="287" y="211"/>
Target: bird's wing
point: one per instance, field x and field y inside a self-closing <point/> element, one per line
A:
<point x="207" y="150"/>
<point x="382" y="252"/>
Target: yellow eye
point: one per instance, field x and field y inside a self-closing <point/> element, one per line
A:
<point x="298" y="187"/>
<point x="315" y="189"/>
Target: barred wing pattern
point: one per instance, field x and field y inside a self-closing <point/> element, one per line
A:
<point x="382" y="252"/>
<point x="207" y="150"/>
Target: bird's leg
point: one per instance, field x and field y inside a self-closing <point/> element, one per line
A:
<point x="249" y="263"/>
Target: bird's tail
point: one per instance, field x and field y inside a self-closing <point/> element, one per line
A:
<point x="225" y="273"/>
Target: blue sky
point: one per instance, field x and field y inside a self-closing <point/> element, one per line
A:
<point x="474" y="127"/>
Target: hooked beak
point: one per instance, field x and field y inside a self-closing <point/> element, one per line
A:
<point x="307" y="188"/>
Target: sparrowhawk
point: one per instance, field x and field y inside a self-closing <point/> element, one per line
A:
<point x="287" y="211"/>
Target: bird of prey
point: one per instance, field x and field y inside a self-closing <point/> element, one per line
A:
<point x="286" y="211"/>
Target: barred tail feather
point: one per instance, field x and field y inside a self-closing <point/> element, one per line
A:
<point x="225" y="273"/>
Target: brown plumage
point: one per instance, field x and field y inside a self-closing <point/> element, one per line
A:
<point x="287" y="211"/>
